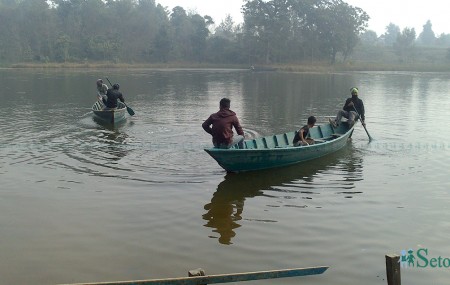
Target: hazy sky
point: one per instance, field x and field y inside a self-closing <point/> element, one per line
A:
<point x="403" y="13"/>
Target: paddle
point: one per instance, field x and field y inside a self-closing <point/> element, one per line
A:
<point x="370" y="138"/>
<point x="129" y="110"/>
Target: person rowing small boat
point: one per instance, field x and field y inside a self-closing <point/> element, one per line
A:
<point x="112" y="96"/>
<point x="353" y="110"/>
<point x="110" y="107"/>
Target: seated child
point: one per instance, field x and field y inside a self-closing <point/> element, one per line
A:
<point x="301" y="137"/>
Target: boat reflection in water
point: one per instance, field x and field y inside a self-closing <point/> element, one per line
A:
<point x="226" y="208"/>
<point x="112" y="138"/>
<point x="115" y="144"/>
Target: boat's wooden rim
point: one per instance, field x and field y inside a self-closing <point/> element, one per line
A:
<point x="288" y="147"/>
<point x="100" y="103"/>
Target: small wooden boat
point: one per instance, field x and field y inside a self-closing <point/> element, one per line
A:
<point x="278" y="150"/>
<point x="262" y="68"/>
<point x="111" y="116"/>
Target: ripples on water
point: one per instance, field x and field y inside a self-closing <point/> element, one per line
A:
<point x="144" y="200"/>
<point x="294" y="186"/>
<point x="86" y="146"/>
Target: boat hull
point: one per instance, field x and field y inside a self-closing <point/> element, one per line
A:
<point x="111" y="116"/>
<point x="277" y="151"/>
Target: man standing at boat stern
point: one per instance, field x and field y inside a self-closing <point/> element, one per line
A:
<point x="220" y="126"/>
<point x="353" y="109"/>
<point x="112" y="96"/>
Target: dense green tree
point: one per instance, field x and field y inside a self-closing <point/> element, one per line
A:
<point x="62" y="45"/>
<point x="9" y="33"/>
<point x="340" y="26"/>
<point x="369" y="38"/>
<point x="162" y="42"/>
<point x="222" y="45"/>
<point x="267" y="28"/>
<point x="443" y="40"/>
<point x="26" y="30"/>
<point x="180" y="30"/>
<point x="392" y="32"/>
<point x="404" y="45"/>
<point x="280" y="30"/>
<point x="162" y="45"/>
<point x="199" y="35"/>
<point x="37" y="26"/>
<point x="226" y="28"/>
<point x="427" y="36"/>
<point x="145" y="23"/>
<point x="273" y="31"/>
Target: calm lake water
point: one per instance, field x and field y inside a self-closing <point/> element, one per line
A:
<point x="84" y="202"/>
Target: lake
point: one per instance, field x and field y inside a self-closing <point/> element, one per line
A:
<point x="85" y="202"/>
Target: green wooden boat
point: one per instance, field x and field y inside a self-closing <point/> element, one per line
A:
<point x="277" y="150"/>
<point x="111" y="116"/>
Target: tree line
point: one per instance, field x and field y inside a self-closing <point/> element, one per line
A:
<point x="406" y="46"/>
<point x="143" y="31"/>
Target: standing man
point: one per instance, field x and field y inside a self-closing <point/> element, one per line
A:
<point x="352" y="108"/>
<point x="111" y="97"/>
<point x="102" y="88"/>
<point x="220" y="126"/>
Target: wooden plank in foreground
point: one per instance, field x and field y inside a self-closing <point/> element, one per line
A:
<point x="222" y="278"/>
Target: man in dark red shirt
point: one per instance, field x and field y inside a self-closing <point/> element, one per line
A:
<point x="220" y="126"/>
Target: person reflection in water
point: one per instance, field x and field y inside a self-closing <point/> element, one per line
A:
<point x="226" y="208"/>
<point x="222" y="124"/>
<point x="223" y="215"/>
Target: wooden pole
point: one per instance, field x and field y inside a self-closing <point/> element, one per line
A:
<point x="393" y="269"/>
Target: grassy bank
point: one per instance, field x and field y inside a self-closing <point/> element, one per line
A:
<point x="320" y="67"/>
<point x="110" y="65"/>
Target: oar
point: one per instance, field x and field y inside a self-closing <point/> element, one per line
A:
<point x="370" y="138"/>
<point x="129" y="110"/>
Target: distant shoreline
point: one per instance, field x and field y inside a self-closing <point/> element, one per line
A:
<point x="300" y="67"/>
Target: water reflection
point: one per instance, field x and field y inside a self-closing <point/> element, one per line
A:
<point x="114" y="147"/>
<point x="95" y="149"/>
<point x="227" y="204"/>
<point x="113" y="139"/>
<point x="338" y="172"/>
